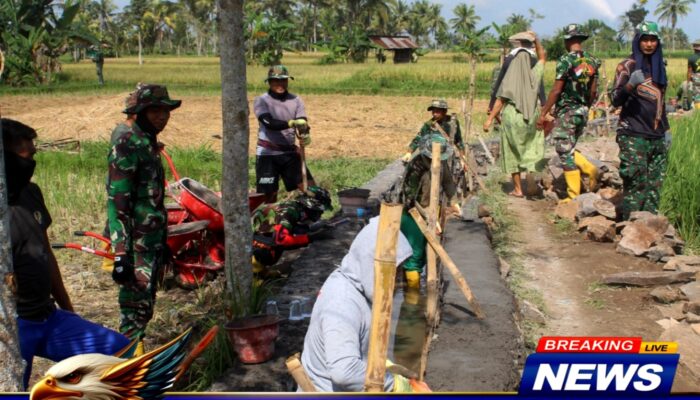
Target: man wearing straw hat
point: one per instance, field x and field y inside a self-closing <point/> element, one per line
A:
<point x="281" y="114"/>
<point x="137" y="218"/>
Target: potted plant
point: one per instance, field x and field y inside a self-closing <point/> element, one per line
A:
<point x="252" y="333"/>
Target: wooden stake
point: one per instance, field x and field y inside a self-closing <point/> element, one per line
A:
<point x="297" y="371"/>
<point x="447" y="261"/>
<point x="432" y="283"/>
<point x="384" y="279"/>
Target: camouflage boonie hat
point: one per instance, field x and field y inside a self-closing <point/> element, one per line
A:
<point x="574" y="31"/>
<point x="318" y="195"/>
<point x="696" y="44"/>
<point x="648" y="28"/>
<point x="278" y="72"/>
<point x="148" y="95"/>
<point x="438" y="103"/>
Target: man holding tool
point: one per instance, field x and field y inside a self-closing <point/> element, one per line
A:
<point x="282" y="118"/>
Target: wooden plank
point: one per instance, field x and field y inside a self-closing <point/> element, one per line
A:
<point x="299" y="373"/>
<point x="447" y="261"/>
<point x="384" y="279"/>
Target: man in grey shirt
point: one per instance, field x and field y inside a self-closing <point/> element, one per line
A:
<point x="280" y="114"/>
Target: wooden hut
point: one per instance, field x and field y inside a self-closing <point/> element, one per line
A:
<point x="402" y="46"/>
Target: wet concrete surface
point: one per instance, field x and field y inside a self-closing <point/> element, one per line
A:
<point x="470" y="354"/>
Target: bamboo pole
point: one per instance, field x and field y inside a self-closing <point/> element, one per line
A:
<point x="384" y="277"/>
<point x="297" y="371"/>
<point x="466" y="162"/>
<point x="447" y="261"/>
<point x="432" y="284"/>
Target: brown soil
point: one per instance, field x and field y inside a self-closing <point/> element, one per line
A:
<point x="565" y="269"/>
<point x="342" y="126"/>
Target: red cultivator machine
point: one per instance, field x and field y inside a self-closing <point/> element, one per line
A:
<point x="195" y="231"/>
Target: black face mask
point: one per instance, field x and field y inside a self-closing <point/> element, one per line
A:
<point x="145" y="125"/>
<point x="18" y="171"/>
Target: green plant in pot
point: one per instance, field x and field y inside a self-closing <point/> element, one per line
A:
<point x="251" y="332"/>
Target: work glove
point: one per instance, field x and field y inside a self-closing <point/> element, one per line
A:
<point x="636" y="78"/>
<point x="305" y="139"/>
<point x="297" y="123"/>
<point x="406" y="157"/>
<point x="123" y="271"/>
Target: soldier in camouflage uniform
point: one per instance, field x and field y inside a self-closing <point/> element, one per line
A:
<point x="415" y="187"/>
<point x="98" y="58"/>
<point x="574" y="91"/>
<point x="640" y="87"/>
<point x="136" y="214"/>
<point x="287" y="224"/>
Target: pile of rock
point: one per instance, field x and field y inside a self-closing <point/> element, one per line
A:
<point x="595" y="214"/>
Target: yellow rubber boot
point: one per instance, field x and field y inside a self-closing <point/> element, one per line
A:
<point x="107" y="264"/>
<point x="573" y="185"/>
<point x="412" y="280"/>
<point x="412" y="296"/>
<point x="257" y="266"/>
<point x="587" y="168"/>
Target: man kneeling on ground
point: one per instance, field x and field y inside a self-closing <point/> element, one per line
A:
<point x="287" y="225"/>
<point x="44" y="330"/>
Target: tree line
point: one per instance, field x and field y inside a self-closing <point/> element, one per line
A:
<point x="35" y="33"/>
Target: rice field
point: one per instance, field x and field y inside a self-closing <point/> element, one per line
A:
<point x="435" y="74"/>
<point x="680" y="199"/>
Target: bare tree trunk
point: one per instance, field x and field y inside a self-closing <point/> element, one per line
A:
<point x="12" y="367"/>
<point x="140" y="49"/>
<point x="234" y="103"/>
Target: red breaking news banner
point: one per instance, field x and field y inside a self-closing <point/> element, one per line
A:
<point x="585" y="344"/>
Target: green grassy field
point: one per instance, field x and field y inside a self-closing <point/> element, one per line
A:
<point x="434" y="75"/>
<point x="680" y="198"/>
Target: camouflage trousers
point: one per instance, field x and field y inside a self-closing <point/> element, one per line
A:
<point x="568" y="128"/>
<point x="642" y="168"/>
<point x="136" y="300"/>
<point x="416" y="180"/>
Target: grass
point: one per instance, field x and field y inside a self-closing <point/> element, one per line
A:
<point x="680" y="197"/>
<point x="434" y="75"/>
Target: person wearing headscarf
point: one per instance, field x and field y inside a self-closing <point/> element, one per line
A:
<point x="522" y="144"/>
<point x="640" y="88"/>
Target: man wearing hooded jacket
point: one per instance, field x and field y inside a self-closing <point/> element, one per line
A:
<point x="47" y="324"/>
<point x="337" y="341"/>
<point x="640" y="88"/>
<point x="136" y="214"/>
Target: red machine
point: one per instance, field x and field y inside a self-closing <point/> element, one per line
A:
<point x="195" y="231"/>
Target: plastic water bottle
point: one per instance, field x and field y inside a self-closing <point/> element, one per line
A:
<point x="271" y="308"/>
<point x="295" y="311"/>
<point x="307" y="307"/>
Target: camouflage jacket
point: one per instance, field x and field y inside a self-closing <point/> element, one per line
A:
<point x="136" y="215"/>
<point x="286" y="213"/>
<point x="428" y="134"/>
<point x="579" y="71"/>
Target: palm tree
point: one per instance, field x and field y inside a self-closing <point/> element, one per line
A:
<point x="519" y="22"/>
<point x="670" y="11"/>
<point x="399" y="18"/>
<point x="418" y="22"/>
<point x="434" y="21"/>
<point x="465" y="19"/>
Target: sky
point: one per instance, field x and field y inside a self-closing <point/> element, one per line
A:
<point x="557" y="13"/>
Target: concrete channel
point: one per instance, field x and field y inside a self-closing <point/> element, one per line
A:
<point x="466" y="354"/>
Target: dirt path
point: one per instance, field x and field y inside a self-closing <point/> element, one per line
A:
<point x="342" y="126"/>
<point x="565" y="269"/>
